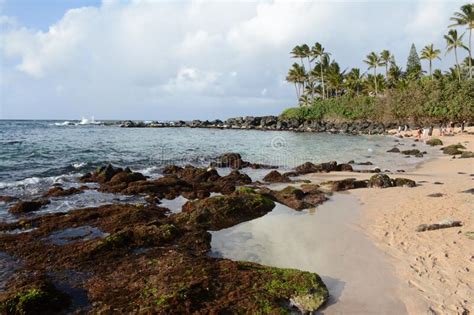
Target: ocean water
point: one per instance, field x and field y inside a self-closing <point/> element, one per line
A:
<point x="36" y="154"/>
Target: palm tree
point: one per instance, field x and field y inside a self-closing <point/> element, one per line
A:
<point x="466" y="17"/>
<point x="394" y="75"/>
<point x="373" y="60"/>
<point x="298" y="52"/>
<point x="335" y="78"/>
<point x="430" y="54"/>
<point x="354" y="81"/>
<point x="306" y="53"/>
<point x="318" y="51"/>
<point x="386" y="59"/>
<point x="453" y="42"/>
<point x="297" y="76"/>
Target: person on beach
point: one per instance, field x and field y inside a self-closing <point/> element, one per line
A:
<point x="406" y="128"/>
<point x="419" y="133"/>
<point x="451" y="128"/>
<point x="430" y="131"/>
<point x="399" y="129"/>
<point x="463" y="124"/>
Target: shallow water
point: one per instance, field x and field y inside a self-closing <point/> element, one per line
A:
<point x="322" y="240"/>
<point x="34" y="155"/>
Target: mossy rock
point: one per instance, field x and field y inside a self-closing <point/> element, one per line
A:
<point x="380" y="181"/>
<point x="467" y="155"/>
<point x="453" y="149"/>
<point x="434" y="141"/>
<point x="42" y="298"/>
<point x="303" y="290"/>
<point x="221" y="212"/>
<point x="404" y="182"/>
<point x="415" y="152"/>
<point x="245" y="190"/>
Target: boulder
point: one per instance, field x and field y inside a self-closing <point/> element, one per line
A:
<point x="434" y="141"/>
<point x="412" y="152"/>
<point x="297" y="199"/>
<point x="27" y="206"/>
<point x="61" y="192"/>
<point x="345" y="184"/>
<point x="220" y="212"/>
<point x="394" y="150"/>
<point x="276" y="177"/>
<point x="380" y="181"/>
<point x="467" y="155"/>
<point x="403" y="182"/>
<point x="453" y="149"/>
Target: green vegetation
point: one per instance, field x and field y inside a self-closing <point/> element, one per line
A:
<point x="453" y="149"/>
<point x="324" y="92"/>
<point x="42" y="299"/>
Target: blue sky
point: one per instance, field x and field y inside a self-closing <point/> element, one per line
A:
<point x="40" y="14"/>
<point x="145" y="59"/>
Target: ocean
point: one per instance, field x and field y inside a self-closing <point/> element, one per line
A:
<point x="35" y="154"/>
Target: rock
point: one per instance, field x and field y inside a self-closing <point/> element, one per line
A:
<point x="436" y="195"/>
<point x="403" y="182"/>
<point x="276" y="177"/>
<point x="39" y="298"/>
<point x="365" y="163"/>
<point x="394" y="150"/>
<point x="469" y="191"/>
<point x="345" y="168"/>
<point x="380" y="181"/>
<point x="8" y="199"/>
<point x="27" y="206"/>
<point x="437" y="226"/>
<point x="60" y="192"/>
<point x="297" y="199"/>
<point x="345" y="184"/>
<point x="220" y="212"/>
<point x="434" y="141"/>
<point x="306" y="168"/>
<point x="467" y="154"/>
<point x="415" y="152"/>
<point x="438" y="183"/>
<point x="232" y="160"/>
<point x="453" y="149"/>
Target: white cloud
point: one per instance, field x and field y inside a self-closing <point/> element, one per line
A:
<point x="194" y="58"/>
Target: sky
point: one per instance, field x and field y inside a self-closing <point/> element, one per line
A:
<point x="194" y="59"/>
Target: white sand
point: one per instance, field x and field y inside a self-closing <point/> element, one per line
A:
<point x="435" y="268"/>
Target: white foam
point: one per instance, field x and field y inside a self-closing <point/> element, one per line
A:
<point x="79" y="165"/>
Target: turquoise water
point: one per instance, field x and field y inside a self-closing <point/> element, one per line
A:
<point x="36" y="154"/>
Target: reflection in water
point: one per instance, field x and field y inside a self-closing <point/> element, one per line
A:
<point x="325" y="241"/>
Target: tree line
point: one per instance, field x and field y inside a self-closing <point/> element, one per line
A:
<point x="320" y="81"/>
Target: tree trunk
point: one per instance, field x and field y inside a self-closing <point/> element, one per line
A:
<point x="470" y="53"/>
<point x="322" y="76"/>
<point x="386" y="70"/>
<point x="431" y="73"/>
<point x="375" y="79"/>
<point x="297" y="92"/>
<point x="457" y="63"/>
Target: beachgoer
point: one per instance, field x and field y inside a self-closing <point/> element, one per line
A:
<point x="420" y="131"/>
<point x="463" y="124"/>
<point x="430" y="131"/>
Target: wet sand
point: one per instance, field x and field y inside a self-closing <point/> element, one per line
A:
<point x="323" y="240"/>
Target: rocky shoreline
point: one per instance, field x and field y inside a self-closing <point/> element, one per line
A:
<point x="146" y="258"/>
<point x="271" y="123"/>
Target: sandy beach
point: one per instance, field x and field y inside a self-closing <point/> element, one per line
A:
<point x="435" y="268"/>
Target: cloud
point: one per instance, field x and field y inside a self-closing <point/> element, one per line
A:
<point x="192" y="59"/>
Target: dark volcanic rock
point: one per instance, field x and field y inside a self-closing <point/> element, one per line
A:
<point x="307" y="197"/>
<point x="403" y="182"/>
<point x="437" y="226"/>
<point x="221" y="212"/>
<point x="412" y="152"/>
<point x="380" y="181"/>
<point x="436" y="195"/>
<point x="394" y="150"/>
<point x="27" y="206"/>
<point x="7" y="198"/>
<point x="234" y="160"/>
<point x="61" y="192"/>
<point x="346" y="184"/>
<point x="276" y="177"/>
